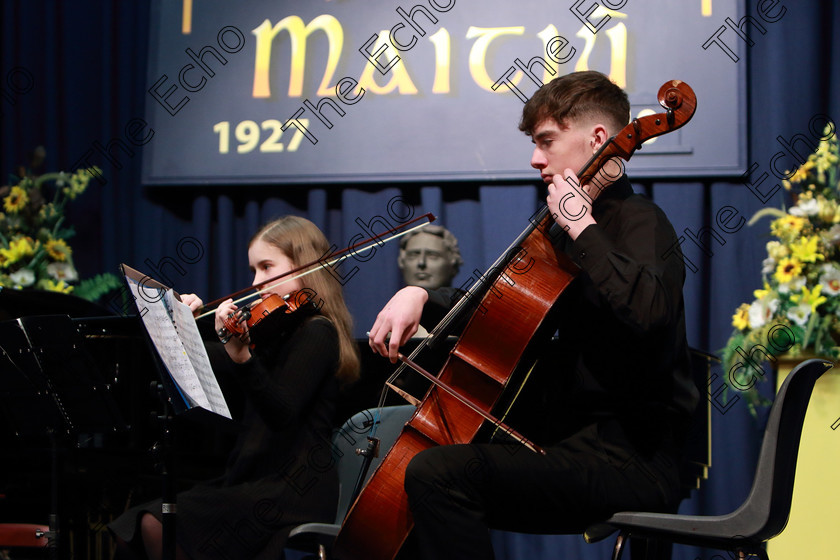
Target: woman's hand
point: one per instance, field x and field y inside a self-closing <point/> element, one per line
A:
<point x="237" y="346"/>
<point x="192" y="301"/>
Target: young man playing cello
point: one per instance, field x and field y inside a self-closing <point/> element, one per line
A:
<point x="616" y="431"/>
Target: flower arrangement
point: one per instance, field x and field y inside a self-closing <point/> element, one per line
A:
<point x="34" y="248"/>
<point x="801" y="274"/>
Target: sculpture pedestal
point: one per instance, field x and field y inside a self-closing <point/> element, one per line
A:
<point x="812" y="530"/>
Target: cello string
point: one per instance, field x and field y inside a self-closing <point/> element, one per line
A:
<point x="515" y="397"/>
<point x="457" y="310"/>
<point x="541" y="220"/>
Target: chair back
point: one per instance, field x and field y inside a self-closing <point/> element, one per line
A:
<point x="697" y="453"/>
<point x="389" y="423"/>
<point x="768" y="504"/>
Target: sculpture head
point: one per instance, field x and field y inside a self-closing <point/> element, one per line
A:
<point x="429" y="257"/>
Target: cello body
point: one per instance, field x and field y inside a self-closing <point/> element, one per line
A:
<point x="481" y="365"/>
<point x="508" y="310"/>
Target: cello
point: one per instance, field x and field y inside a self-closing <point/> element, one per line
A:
<point x="504" y="312"/>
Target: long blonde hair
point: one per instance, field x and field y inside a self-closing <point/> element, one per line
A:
<point x="302" y="241"/>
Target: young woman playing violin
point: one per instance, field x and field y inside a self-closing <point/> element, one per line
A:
<point x="290" y="367"/>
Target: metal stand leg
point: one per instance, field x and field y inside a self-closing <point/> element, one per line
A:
<point x="169" y="507"/>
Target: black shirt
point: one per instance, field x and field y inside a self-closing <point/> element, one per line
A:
<point x="621" y="349"/>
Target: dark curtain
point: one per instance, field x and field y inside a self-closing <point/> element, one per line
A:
<point x="85" y="61"/>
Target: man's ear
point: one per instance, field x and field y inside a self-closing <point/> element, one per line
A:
<point x="598" y="135"/>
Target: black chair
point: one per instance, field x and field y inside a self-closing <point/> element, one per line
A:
<point x="319" y="537"/>
<point x="697" y="452"/>
<point x="764" y="513"/>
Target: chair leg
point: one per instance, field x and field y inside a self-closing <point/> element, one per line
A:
<point x="650" y="549"/>
<point x="620" y="541"/>
<point x="322" y="552"/>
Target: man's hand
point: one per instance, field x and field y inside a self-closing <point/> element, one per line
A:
<point x="567" y="204"/>
<point x="400" y="317"/>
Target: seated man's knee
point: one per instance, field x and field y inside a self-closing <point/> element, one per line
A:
<point x="419" y="472"/>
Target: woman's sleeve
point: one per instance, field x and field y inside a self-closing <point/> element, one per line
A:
<point x="284" y="389"/>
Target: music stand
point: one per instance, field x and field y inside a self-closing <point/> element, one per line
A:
<point x="51" y="388"/>
<point x="193" y="374"/>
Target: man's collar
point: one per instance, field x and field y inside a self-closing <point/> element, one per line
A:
<point x="620" y="190"/>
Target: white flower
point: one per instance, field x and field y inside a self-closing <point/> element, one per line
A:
<point x="62" y="271"/>
<point x="830" y="280"/>
<point x="776" y="250"/>
<point x="794" y="285"/>
<point x="832" y="235"/>
<point x="761" y="310"/>
<point x="808" y="207"/>
<point x="23" y="277"/>
<point x="799" y="314"/>
<point x="768" y="265"/>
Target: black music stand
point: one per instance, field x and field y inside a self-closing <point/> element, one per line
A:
<point x="51" y="389"/>
<point x="151" y="295"/>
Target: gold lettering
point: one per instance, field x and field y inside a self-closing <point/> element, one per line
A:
<point x="478" y="53"/>
<point x="547" y="34"/>
<point x="186" y="17"/>
<point x="298" y="34"/>
<point x="400" y="79"/>
<point x="618" y="54"/>
<point x="618" y="46"/>
<point x="442" y="60"/>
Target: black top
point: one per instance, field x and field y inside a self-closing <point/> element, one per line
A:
<point x="281" y="471"/>
<point x="621" y="346"/>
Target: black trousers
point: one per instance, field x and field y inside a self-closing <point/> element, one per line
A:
<point x="458" y="492"/>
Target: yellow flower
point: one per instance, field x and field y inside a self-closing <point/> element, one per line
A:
<point x="53" y="286"/>
<point x="48" y="212"/>
<point x="802" y="173"/>
<point x="79" y="182"/>
<point x="760" y="294"/>
<point x="16" y="200"/>
<point x="787" y="270"/>
<point x="787" y="226"/>
<point x="18" y="249"/>
<point x="741" y="319"/>
<point x="810" y="297"/>
<point x="827" y="208"/>
<point x="58" y="249"/>
<point x="805" y="249"/>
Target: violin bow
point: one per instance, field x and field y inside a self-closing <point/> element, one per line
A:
<point x="309" y="268"/>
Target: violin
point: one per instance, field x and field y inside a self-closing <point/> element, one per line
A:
<point x="247" y="318"/>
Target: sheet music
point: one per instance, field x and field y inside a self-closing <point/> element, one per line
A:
<point x="162" y="331"/>
<point x="197" y="354"/>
